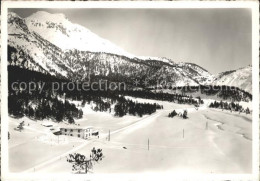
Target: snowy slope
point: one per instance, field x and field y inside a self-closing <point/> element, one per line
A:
<point x="168" y="147"/>
<point x="47" y="39"/>
<point x="199" y="74"/>
<point x="241" y="78"/>
<point x="58" y="30"/>
<point x="32" y="45"/>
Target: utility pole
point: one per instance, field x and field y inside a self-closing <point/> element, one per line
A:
<point x="109" y="135"/>
<point x="148" y="143"/>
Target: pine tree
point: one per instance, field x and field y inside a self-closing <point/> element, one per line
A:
<point x="83" y="165"/>
<point x="185" y="114"/>
<point x="247" y="111"/>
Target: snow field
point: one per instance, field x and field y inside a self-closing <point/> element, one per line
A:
<point x="210" y="141"/>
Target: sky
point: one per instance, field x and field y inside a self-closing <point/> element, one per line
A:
<point x="216" y="39"/>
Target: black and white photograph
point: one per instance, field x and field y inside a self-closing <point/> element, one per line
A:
<point x="129" y="89"/>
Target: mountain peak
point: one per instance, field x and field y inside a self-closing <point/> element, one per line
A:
<point x="57" y="27"/>
<point x="241" y="78"/>
<point x="46" y="16"/>
<point x="13" y="15"/>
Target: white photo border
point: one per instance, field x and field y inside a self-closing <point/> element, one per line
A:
<point x="253" y="5"/>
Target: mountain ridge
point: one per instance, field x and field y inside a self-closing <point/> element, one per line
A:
<point x="241" y="78"/>
<point x="49" y="53"/>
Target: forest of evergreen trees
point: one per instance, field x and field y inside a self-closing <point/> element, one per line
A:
<point x="223" y="92"/>
<point x="172" y="114"/>
<point x="36" y="104"/>
<point x="124" y="107"/>
<point x="40" y="108"/>
<point x="229" y="106"/>
<point x="184" y="115"/>
<point x="50" y="104"/>
<point x="177" y="98"/>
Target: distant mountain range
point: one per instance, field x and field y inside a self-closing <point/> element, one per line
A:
<point x="241" y="78"/>
<point x="51" y="44"/>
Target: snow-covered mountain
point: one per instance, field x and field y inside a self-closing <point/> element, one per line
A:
<point x="58" y="30"/>
<point x="241" y="78"/>
<point x="52" y="44"/>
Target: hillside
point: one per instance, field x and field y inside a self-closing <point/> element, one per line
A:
<point x="47" y="54"/>
<point x="43" y="42"/>
<point x="241" y="78"/>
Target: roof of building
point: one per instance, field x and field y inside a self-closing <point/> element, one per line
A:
<point x="76" y="127"/>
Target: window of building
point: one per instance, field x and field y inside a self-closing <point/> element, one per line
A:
<point x="70" y="134"/>
<point x="71" y="130"/>
<point x="65" y="130"/>
<point x="78" y="135"/>
<point x="79" y="130"/>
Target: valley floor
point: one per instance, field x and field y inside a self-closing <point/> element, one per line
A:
<point x="209" y="141"/>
